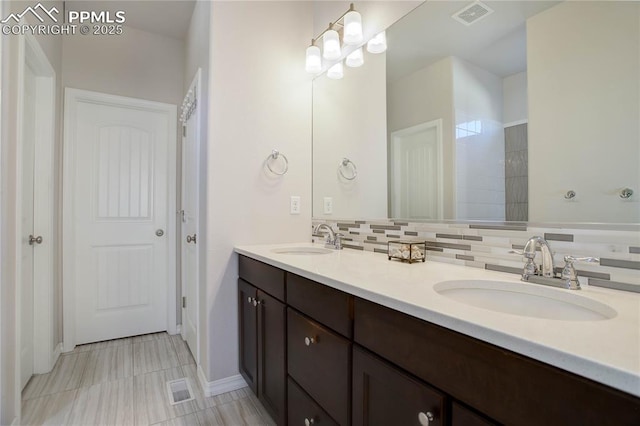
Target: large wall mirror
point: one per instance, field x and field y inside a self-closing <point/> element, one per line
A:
<point x="508" y="111"/>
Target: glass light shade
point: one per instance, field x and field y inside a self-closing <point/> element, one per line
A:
<point x="336" y="72"/>
<point x="355" y="59"/>
<point x="331" y="45"/>
<point x="352" y="28"/>
<point x="313" y="63"/>
<point x="378" y="44"/>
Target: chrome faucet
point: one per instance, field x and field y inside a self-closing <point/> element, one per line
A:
<point x="547" y="266"/>
<point x="333" y="239"/>
<point x="545" y="273"/>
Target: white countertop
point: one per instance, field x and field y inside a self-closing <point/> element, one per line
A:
<point x="606" y="351"/>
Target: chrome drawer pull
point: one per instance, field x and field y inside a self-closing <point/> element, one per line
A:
<point x="309" y="422"/>
<point x="309" y="340"/>
<point x="425" y="419"/>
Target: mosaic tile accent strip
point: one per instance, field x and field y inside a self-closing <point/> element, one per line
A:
<point x="488" y="246"/>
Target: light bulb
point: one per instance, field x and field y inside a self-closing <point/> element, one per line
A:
<point x="313" y="63"/>
<point x="355" y="59"/>
<point x="352" y="28"/>
<point x="377" y="44"/>
<point x="331" y="45"/>
<point x="336" y="72"/>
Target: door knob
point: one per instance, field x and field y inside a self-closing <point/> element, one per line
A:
<point x="191" y="238"/>
<point x="159" y="232"/>
<point x="35" y="240"/>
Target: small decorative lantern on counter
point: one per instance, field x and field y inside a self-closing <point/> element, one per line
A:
<point x="408" y="251"/>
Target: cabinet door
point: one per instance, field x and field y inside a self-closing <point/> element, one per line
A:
<point x="248" y="328"/>
<point x="272" y="373"/>
<point x="384" y="395"/>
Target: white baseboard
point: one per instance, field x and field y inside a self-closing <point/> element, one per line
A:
<point x="217" y="387"/>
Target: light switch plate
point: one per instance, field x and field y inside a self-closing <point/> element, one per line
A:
<point x="295" y="204"/>
<point x="328" y="205"/>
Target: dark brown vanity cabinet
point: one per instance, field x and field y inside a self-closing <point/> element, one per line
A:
<point x="317" y="355"/>
<point x="262" y="329"/>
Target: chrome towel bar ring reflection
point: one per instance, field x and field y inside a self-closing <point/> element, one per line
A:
<point x="344" y="164"/>
<point x="275" y="154"/>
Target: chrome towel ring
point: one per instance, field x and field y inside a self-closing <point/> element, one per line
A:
<point x="275" y="154"/>
<point x="344" y="164"/>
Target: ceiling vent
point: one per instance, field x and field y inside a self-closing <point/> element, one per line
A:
<point x="472" y="13"/>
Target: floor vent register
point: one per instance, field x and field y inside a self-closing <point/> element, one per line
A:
<point x="179" y="391"/>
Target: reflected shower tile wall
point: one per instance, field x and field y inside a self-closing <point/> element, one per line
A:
<point x="516" y="170"/>
<point x="487" y="246"/>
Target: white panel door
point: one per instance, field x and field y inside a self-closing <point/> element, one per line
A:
<point x="121" y="245"/>
<point x="26" y="193"/>
<point x="416" y="172"/>
<point x="190" y="160"/>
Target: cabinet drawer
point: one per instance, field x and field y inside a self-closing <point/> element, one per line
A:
<point x="319" y="361"/>
<point x="263" y="276"/>
<point x="383" y="395"/>
<point x="462" y="416"/>
<point x="302" y="409"/>
<point x="326" y="305"/>
<point x="510" y="388"/>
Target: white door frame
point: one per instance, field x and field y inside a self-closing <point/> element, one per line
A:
<point x="195" y="86"/>
<point x="46" y="351"/>
<point x="72" y="98"/>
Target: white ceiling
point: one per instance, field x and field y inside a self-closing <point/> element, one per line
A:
<point x="496" y="43"/>
<point x="166" y="17"/>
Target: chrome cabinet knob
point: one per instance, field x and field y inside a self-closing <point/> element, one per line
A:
<point x="425" y="418"/>
<point x="309" y="341"/>
<point x="249" y="299"/>
<point x="257" y="302"/>
<point x="35" y="240"/>
<point x="309" y="421"/>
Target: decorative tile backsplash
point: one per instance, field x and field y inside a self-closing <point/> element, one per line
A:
<point x="488" y="246"/>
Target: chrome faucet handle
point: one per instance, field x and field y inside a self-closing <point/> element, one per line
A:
<point x="338" y="241"/>
<point x="586" y="259"/>
<point x="569" y="272"/>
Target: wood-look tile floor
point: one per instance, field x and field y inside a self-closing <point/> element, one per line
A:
<point x="123" y="382"/>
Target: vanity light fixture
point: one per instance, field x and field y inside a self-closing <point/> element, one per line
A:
<point x="336" y="72"/>
<point x="377" y="44"/>
<point x="331" y="44"/>
<point x="355" y="59"/>
<point x="350" y="25"/>
<point x="314" y="60"/>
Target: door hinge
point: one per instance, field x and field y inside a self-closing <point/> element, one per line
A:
<point x="184" y="301"/>
<point x="184" y="131"/>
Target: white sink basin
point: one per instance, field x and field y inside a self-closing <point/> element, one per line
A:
<point x="302" y="250"/>
<point x="526" y="300"/>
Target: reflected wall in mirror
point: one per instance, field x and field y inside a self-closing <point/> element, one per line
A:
<point x="496" y="120"/>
